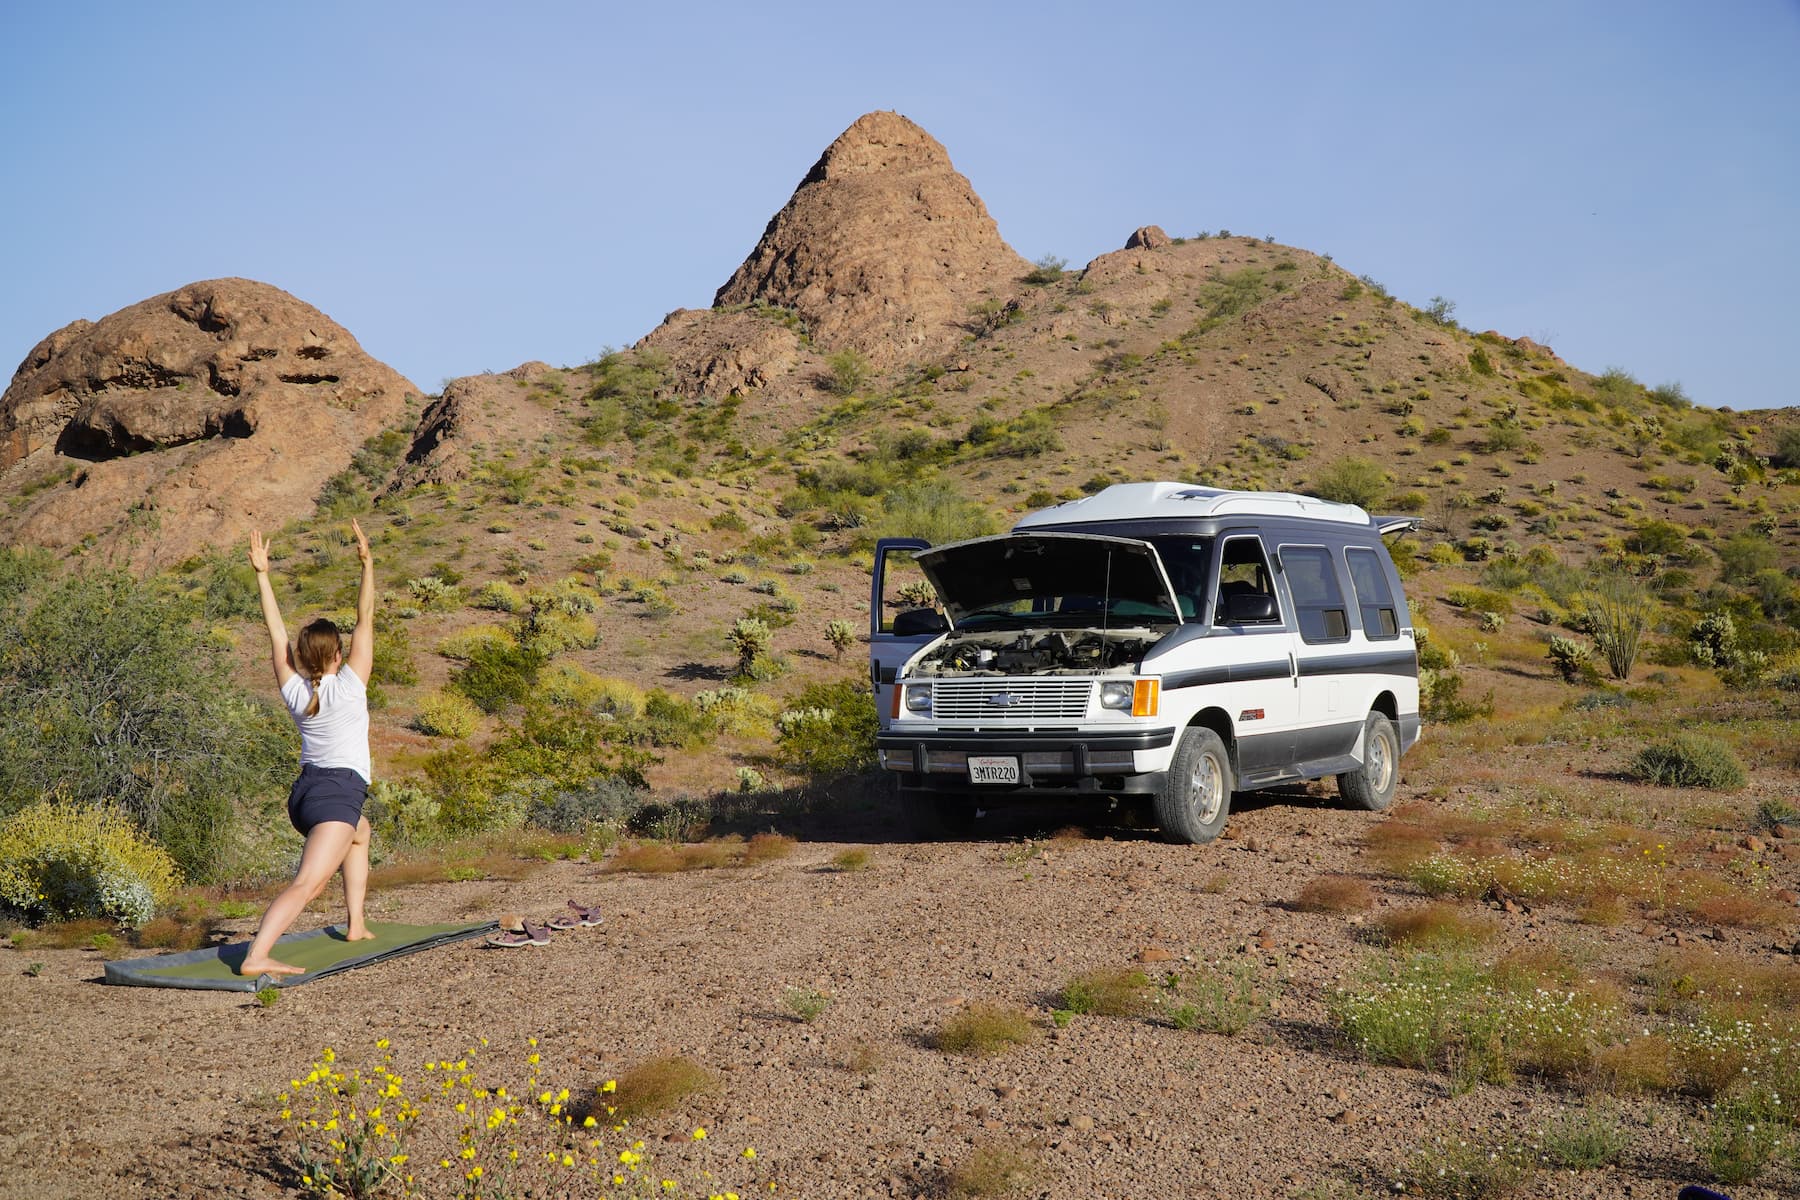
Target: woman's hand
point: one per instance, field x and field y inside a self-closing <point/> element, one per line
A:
<point x="362" y="543"/>
<point x="259" y="552"/>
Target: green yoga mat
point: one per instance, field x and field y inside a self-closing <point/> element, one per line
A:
<point x="321" y="952"/>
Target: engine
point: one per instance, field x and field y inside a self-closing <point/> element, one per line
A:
<point x="1035" y="652"/>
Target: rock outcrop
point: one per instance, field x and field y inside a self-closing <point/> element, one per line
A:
<point x="883" y="248"/>
<point x="186" y="418"/>
<point x="475" y="413"/>
<point x="1147" y="237"/>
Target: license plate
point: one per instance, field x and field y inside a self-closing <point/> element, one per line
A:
<point x="993" y="768"/>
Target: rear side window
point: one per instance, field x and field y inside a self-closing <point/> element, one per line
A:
<point x="1318" y="599"/>
<point x="1374" y="599"/>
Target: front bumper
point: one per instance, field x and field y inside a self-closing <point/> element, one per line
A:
<point x="1056" y="763"/>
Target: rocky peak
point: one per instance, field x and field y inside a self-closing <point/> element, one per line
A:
<point x="883" y="247"/>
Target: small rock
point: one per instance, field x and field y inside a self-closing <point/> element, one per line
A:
<point x="1347" y="1117"/>
<point x="1081" y="1122"/>
<point x="1783" y="831"/>
<point x="1152" y="954"/>
<point x="1754" y="844"/>
<point x="1788" y="896"/>
<point x="1006" y="1091"/>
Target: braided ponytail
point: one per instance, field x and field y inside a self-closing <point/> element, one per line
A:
<point x="319" y="642"/>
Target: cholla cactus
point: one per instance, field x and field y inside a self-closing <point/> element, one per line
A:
<point x="840" y="634"/>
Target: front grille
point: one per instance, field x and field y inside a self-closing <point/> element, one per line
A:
<point x="1022" y="701"/>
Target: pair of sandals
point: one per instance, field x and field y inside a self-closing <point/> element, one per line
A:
<point x="515" y="932"/>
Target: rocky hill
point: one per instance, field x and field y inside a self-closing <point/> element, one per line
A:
<point x="179" y="421"/>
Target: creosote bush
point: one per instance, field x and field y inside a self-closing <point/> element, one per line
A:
<point x="1108" y="992"/>
<point x="1690" y="760"/>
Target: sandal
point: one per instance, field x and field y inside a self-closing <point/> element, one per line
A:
<point x="559" y="923"/>
<point x="529" y="933"/>
<point x="586" y="915"/>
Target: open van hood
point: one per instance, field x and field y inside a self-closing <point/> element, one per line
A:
<point x="1050" y="577"/>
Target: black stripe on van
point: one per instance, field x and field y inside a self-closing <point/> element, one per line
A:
<point x="1374" y="662"/>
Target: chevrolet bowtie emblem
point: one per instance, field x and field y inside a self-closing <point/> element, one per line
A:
<point x="1003" y="700"/>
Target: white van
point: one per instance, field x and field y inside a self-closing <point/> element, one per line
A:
<point x="1157" y="640"/>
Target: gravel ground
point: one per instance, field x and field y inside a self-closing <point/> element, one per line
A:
<point x="170" y="1093"/>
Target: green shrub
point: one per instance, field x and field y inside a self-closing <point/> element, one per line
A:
<point x="498" y="673"/>
<point x="749" y="637"/>
<point x="62" y="861"/>
<point x="1690" y="760"/>
<point x="447" y="714"/>
<point x="1787" y="448"/>
<point x="829" y="729"/>
<point x="608" y="800"/>
<point x="1108" y="992"/>
<point x="401" y="812"/>
<point x="1352" y="481"/>
<point x="499" y="597"/>
<point x="115" y="695"/>
<point x="1047" y="269"/>
<point x="847" y="371"/>
<point x="1572" y="659"/>
<point x="935" y="511"/>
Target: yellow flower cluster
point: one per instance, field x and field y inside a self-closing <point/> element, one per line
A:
<point x="355" y="1130"/>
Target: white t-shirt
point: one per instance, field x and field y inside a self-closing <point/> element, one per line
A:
<point x="338" y="734"/>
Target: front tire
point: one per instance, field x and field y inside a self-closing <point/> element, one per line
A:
<point x="1195" y="796"/>
<point x="1371" y="786"/>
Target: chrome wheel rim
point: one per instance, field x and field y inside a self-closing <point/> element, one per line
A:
<point x="1206" y="789"/>
<point x="1381" y="763"/>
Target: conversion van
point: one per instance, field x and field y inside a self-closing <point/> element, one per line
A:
<point x="1158" y="641"/>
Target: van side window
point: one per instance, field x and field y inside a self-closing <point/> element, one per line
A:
<point x="1374" y="599"/>
<point x="1318" y="600"/>
<point x="1246" y="589"/>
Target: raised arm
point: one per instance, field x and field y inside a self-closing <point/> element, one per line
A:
<point x="362" y="638"/>
<point x="279" y="655"/>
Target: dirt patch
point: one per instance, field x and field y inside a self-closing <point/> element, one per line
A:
<point x="175" y="1093"/>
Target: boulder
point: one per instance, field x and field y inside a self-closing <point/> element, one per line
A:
<point x="1148" y="237"/>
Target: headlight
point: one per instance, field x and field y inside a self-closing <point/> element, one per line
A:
<point x="1116" y="694"/>
<point x="917" y="698"/>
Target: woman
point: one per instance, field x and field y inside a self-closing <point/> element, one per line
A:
<point x="326" y="694"/>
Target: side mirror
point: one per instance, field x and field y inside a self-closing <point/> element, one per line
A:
<point x="915" y="621"/>
<point x="1245" y="610"/>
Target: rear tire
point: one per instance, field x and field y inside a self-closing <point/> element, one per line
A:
<point x="1195" y="796"/>
<point x="1371" y="786"/>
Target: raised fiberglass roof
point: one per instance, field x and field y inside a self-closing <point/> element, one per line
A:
<point x="1175" y="501"/>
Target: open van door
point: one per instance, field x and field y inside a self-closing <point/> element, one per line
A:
<point x="903" y="615"/>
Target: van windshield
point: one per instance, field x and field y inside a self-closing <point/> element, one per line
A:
<point x="1186" y="559"/>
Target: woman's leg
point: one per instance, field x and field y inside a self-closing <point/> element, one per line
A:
<point x="356" y="881"/>
<point x="326" y="847"/>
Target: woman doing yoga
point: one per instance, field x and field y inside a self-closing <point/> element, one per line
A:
<point x="327" y="695"/>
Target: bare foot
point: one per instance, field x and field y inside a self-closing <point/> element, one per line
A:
<point x="268" y="966"/>
<point x="357" y="935"/>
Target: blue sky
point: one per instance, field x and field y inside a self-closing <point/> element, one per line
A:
<point x="469" y="186"/>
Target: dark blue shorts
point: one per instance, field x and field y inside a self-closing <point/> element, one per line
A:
<point x="326" y="794"/>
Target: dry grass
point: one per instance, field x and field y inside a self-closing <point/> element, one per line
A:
<point x="660" y="1084"/>
<point x="850" y="860"/>
<point x="65" y="935"/>
<point x="662" y="858"/>
<point x="767" y="847"/>
<point x="1644" y="1064"/>
<point x="1744" y="912"/>
<point x="171" y="933"/>
<point x="992" y="1168"/>
<point x="865" y="1058"/>
<point x="1334" y="894"/>
<point x="985" y="1029"/>
<point x="1433" y="925"/>
<point x="408" y="872"/>
<point x="1108" y="992"/>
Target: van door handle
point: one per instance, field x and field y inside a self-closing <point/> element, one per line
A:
<point x="1294" y="668"/>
